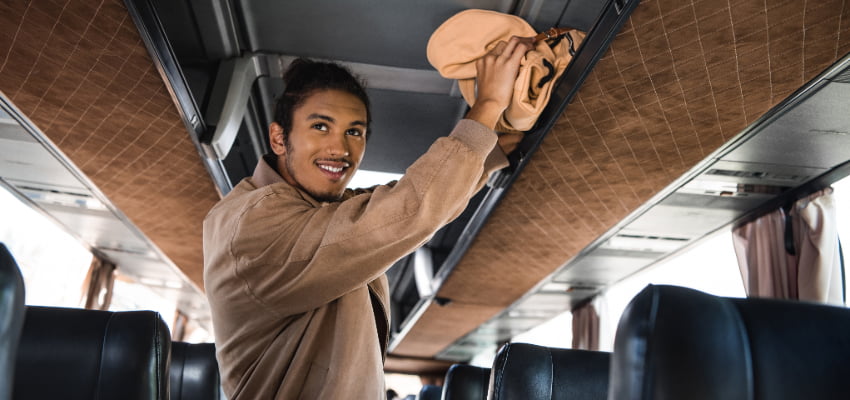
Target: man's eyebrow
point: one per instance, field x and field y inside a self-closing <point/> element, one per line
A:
<point x="332" y="120"/>
<point x="321" y="116"/>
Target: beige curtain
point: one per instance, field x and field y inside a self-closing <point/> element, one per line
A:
<point x="797" y="262"/>
<point x="180" y="322"/>
<point x="585" y="327"/>
<point x="98" y="284"/>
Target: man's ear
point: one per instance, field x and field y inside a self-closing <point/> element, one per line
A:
<point x="277" y="139"/>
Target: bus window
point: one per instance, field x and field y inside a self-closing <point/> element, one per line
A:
<point x="556" y="332"/>
<point x="54" y="266"/>
<point x="403" y="384"/>
<point x="365" y="178"/>
<point x="709" y="266"/>
<point x="53" y="263"/>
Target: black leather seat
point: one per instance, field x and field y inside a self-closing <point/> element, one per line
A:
<point x="678" y="343"/>
<point x="466" y="382"/>
<point x="430" y="392"/>
<point x="11" y="318"/>
<point x="194" y="372"/>
<point x="526" y="371"/>
<point x="76" y="354"/>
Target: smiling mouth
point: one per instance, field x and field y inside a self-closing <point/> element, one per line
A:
<point x="334" y="170"/>
<point x="330" y="169"/>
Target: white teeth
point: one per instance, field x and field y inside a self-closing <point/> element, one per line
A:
<point x="331" y="169"/>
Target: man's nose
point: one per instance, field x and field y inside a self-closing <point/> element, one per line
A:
<point x="337" y="146"/>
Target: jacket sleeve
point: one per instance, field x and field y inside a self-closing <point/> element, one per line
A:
<point x="295" y="257"/>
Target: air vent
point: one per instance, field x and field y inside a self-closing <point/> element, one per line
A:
<point x="52" y="191"/>
<point x="733" y="187"/>
<point x="457" y="354"/>
<point x="771" y="176"/>
<point x="726" y="172"/>
<point x="759" y="189"/>
<point x="757" y="175"/>
<point x="646" y="243"/>
<point x="59" y="197"/>
<point x="675" y="239"/>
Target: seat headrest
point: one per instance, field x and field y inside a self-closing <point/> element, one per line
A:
<point x="81" y="354"/>
<point x="194" y="372"/>
<point x="430" y="392"/>
<point x="525" y="371"/>
<point x="675" y="342"/>
<point x="11" y="318"/>
<point x="466" y="382"/>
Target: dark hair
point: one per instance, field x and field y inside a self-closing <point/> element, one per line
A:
<point x="304" y="76"/>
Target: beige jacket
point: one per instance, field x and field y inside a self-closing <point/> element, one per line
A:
<point x="299" y="299"/>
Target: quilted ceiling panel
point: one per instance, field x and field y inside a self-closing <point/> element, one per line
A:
<point x="80" y="72"/>
<point x="679" y="80"/>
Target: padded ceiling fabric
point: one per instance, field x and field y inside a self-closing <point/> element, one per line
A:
<point x="79" y="70"/>
<point x="679" y="80"/>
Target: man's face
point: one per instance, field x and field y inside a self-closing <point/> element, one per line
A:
<point x="325" y="146"/>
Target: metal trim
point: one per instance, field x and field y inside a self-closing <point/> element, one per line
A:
<point x="153" y="35"/>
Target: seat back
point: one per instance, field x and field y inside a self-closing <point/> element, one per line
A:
<point x="194" y="372"/>
<point x="674" y="342"/>
<point x="526" y="371"/>
<point x="466" y="382"/>
<point x="11" y="318"/>
<point x="430" y="392"/>
<point x="77" y="354"/>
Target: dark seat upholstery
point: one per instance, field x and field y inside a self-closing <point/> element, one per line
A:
<point x="72" y="354"/>
<point x="526" y="371"/>
<point x="430" y="392"/>
<point x="466" y="382"/>
<point x="11" y="318"/>
<point x="678" y="343"/>
<point x="194" y="372"/>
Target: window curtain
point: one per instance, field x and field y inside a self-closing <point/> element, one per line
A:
<point x="793" y="252"/>
<point x="98" y="284"/>
<point x="585" y="327"/>
<point x="180" y="322"/>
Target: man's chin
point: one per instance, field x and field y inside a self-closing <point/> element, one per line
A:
<point x="326" y="197"/>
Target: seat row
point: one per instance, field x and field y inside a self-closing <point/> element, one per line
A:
<point x="679" y="343"/>
<point x="66" y="353"/>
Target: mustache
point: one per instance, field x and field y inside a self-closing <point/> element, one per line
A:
<point x="337" y="160"/>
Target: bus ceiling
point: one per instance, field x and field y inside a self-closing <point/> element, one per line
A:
<point x="675" y="119"/>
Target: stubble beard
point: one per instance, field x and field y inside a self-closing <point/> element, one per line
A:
<point x="321" y="197"/>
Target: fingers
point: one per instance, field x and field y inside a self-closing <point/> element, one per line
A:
<point x="523" y="45"/>
<point x="517" y="46"/>
<point x="499" y="49"/>
<point x="495" y="77"/>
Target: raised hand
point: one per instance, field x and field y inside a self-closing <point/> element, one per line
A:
<point x="496" y="73"/>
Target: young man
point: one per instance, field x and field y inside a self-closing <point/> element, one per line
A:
<point x="294" y="262"/>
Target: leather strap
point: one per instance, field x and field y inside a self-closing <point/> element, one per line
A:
<point x="551" y="33"/>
